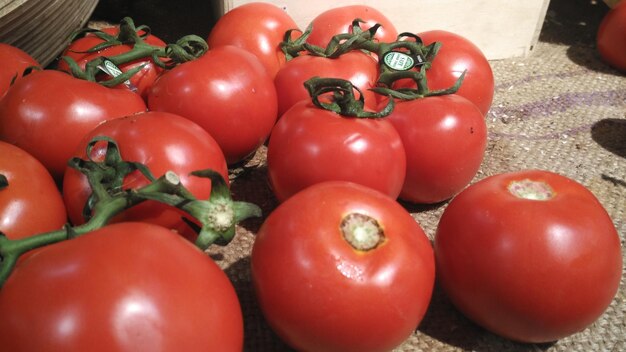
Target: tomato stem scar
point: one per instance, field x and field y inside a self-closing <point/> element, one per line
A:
<point x="532" y="190"/>
<point x="361" y="231"/>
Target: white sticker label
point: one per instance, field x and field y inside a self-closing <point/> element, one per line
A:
<point x="399" y="61"/>
<point x="112" y="70"/>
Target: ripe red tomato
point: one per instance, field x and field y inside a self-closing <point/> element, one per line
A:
<point x="161" y="141"/>
<point x="141" y="81"/>
<point x="256" y="27"/>
<point x="611" y="37"/>
<point x="318" y="292"/>
<point x="444" y="138"/>
<point x="309" y="145"/>
<point x="47" y="113"/>
<point x="339" y="20"/>
<point x="14" y="61"/>
<point x="529" y="255"/>
<point x="357" y="67"/>
<point x="116" y="289"/>
<point x="227" y="92"/>
<point x="31" y="203"/>
<point x="458" y="54"/>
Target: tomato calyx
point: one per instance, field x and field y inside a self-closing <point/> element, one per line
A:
<point x="4" y="182"/>
<point x="343" y="100"/>
<point x="362" y="232"/>
<point x="187" y="48"/>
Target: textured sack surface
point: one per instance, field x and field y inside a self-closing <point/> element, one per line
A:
<point x="561" y="109"/>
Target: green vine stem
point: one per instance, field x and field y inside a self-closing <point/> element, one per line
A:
<point x="218" y="215"/>
<point x="187" y="48"/>
<point x="416" y="57"/>
<point x="343" y="100"/>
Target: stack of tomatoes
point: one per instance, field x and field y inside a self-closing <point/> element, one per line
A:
<point x="339" y="265"/>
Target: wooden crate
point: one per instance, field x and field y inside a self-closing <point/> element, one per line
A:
<point x="501" y="28"/>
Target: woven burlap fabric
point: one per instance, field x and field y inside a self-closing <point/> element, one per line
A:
<point x="560" y="109"/>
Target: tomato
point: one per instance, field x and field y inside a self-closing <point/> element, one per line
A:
<point x="529" y="255"/>
<point x="14" y="61"/>
<point x="118" y="289"/>
<point x="140" y="82"/>
<point x="31" y="203"/>
<point x="227" y="92"/>
<point x="309" y="145"/>
<point x="338" y="20"/>
<point x="458" y="54"/>
<point x="445" y="139"/>
<point x="611" y="37"/>
<point x="48" y="112"/>
<point x="357" y="67"/>
<point x="161" y="141"/>
<point x="318" y="292"/>
<point x="256" y="27"/>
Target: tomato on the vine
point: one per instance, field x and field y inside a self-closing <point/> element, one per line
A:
<point x="31" y="202"/>
<point x="529" y="255"/>
<point x="611" y="37"/>
<point x="357" y="67"/>
<point x="14" y="61"/>
<point x="162" y="142"/>
<point x="309" y="145"/>
<point x="338" y="20"/>
<point x="140" y="82"/>
<point x="256" y="27"/>
<point x="444" y="138"/>
<point x="125" y="287"/>
<point x="47" y="113"/>
<point x="342" y="267"/>
<point x="227" y="92"/>
<point x="458" y="55"/>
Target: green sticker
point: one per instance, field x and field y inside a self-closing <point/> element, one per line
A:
<point x="398" y="61"/>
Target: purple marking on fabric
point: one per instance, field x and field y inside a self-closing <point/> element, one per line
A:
<point x="545" y="137"/>
<point x="560" y="103"/>
<point x="529" y="79"/>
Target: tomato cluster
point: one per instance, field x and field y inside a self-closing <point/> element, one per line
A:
<point x="112" y="164"/>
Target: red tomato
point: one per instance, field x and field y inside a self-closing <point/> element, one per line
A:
<point x="445" y="139"/>
<point x="227" y="92"/>
<point x="339" y="20"/>
<point x="529" y="255"/>
<point x="357" y="67"/>
<point x="14" y="61"/>
<point x="161" y="141"/>
<point x="116" y="289"/>
<point x="611" y="37"/>
<point x="457" y="54"/>
<point x="319" y="292"/>
<point x="48" y="112"/>
<point x="140" y="82"/>
<point x="31" y="203"/>
<point x="309" y="145"/>
<point x="256" y="27"/>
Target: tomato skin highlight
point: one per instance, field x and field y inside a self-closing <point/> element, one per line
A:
<point x="117" y="288"/>
<point x="529" y="270"/>
<point x="161" y="141"/>
<point x="338" y="20"/>
<point x="14" y="61"/>
<point x="32" y="203"/>
<point x="309" y="145"/>
<point x="611" y="37"/>
<point x="256" y="27"/>
<point x="47" y="113"/>
<point x="444" y="138"/>
<point x="227" y="92"/>
<point x="320" y="294"/>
